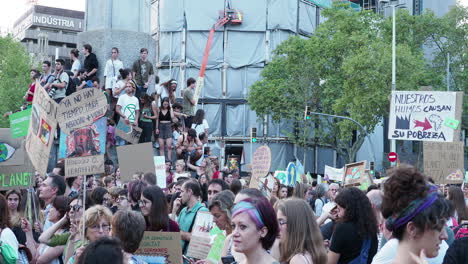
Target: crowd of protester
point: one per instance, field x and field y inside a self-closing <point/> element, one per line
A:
<point x="97" y="218"/>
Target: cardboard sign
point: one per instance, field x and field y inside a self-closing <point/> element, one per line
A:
<point x="19" y="123"/>
<point x="266" y="185"/>
<point x="199" y="245"/>
<point x="84" y="166"/>
<point x="131" y="134"/>
<point x="41" y="129"/>
<point x="282" y="176"/>
<point x="86" y="141"/>
<point x="261" y="162"/>
<point x="81" y="109"/>
<point x="292" y="173"/>
<point x="11" y="149"/>
<point x="354" y="173"/>
<point x="420" y="116"/>
<point x="160" y="167"/>
<point x="333" y="174"/>
<point x="160" y="248"/>
<point x="443" y="159"/>
<point x="16" y="177"/>
<point x="135" y="158"/>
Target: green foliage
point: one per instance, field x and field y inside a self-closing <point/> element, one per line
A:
<point x="345" y="70"/>
<point x="15" y="66"/>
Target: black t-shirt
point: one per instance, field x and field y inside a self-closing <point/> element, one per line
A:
<point x="457" y="252"/>
<point x="91" y="63"/>
<point x="346" y="242"/>
<point x="327" y="230"/>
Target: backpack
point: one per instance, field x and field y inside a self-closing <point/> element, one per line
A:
<point x="461" y="230"/>
<point x="312" y="203"/>
<point x="71" y="85"/>
<point x="8" y="253"/>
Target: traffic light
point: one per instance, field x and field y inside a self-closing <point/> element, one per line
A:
<point x="371" y="169"/>
<point x="307" y="113"/>
<point x="253" y="134"/>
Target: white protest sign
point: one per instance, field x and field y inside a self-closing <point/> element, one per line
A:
<point x="333" y="174"/>
<point x="422" y="116"/>
<point x="160" y="170"/>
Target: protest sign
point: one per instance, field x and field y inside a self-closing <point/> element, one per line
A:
<point x="261" y="162"/>
<point x="19" y="123"/>
<point x="160" y="166"/>
<point x="86" y="141"/>
<point x="282" y="176"/>
<point x="11" y="149"/>
<point x="42" y="129"/>
<point x="84" y="165"/>
<point x="16" y="177"/>
<point x="333" y="174"/>
<point x="81" y="109"/>
<point x="233" y="163"/>
<point x="216" y="248"/>
<point x="160" y="248"/>
<point x="443" y="159"/>
<point x="419" y="115"/>
<point x="354" y="173"/>
<point x="266" y="185"/>
<point x="135" y="158"/>
<point x="292" y="173"/>
<point x="199" y="245"/>
<point x="128" y="133"/>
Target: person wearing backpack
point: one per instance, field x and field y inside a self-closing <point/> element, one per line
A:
<point x="8" y="242"/>
<point x="318" y="202"/>
<point x="59" y="86"/>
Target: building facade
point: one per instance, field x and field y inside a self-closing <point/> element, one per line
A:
<point x="49" y="32"/>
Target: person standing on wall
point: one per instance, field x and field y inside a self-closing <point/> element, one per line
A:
<point x="112" y="70"/>
<point x="189" y="106"/>
<point x="143" y="72"/>
<point x="91" y="64"/>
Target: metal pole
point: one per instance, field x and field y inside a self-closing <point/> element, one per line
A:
<point x="448" y="71"/>
<point x="370" y="149"/>
<point x="393" y="141"/>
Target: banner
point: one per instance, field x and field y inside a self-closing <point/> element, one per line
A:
<point x="86" y="141"/>
<point x="160" y="248"/>
<point x="354" y="174"/>
<point x="19" y="123"/>
<point x="443" y="159"/>
<point x="261" y="162"/>
<point x="160" y="171"/>
<point x="199" y="245"/>
<point x="81" y="109"/>
<point x="129" y="133"/>
<point x="84" y="166"/>
<point x="41" y="129"/>
<point x="135" y="158"/>
<point x="421" y="116"/>
<point x="292" y="173"/>
<point x="333" y="174"/>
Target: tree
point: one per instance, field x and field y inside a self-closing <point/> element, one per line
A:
<point x="343" y="69"/>
<point x="15" y="66"/>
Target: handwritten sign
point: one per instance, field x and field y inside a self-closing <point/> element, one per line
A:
<point x="417" y="115"/>
<point x="16" y="177"/>
<point x="354" y="173"/>
<point x="266" y="185"/>
<point x="42" y="129"/>
<point x="131" y="134"/>
<point x="160" y="248"/>
<point x="282" y="176"/>
<point x="160" y="165"/>
<point x="19" y="123"/>
<point x="333" y="174"/>
<point x="81" y="109"/>
<point x="135" y="158"/>
<point x="261" y="162"/>
<point x="443" y="159"/>
<point x="200" y="245"/>
<point x="84" y="165"/>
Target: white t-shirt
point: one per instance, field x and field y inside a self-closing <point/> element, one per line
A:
<point x="120" y="84"/>
<point x="63" y="78"/>
<point x="129" y="106"/>
<point x="9" y="238"/>
<point x="200" y="128"/>
<point x="76" y="66"/>
<point x="111" y="72"/>
<point x="162" y="92"/>
<point x="389" y="251"/>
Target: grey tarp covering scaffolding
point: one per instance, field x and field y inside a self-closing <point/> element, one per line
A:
<point x="237" y="56"/>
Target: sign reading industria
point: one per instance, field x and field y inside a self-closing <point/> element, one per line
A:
<point x="57" y="21"/>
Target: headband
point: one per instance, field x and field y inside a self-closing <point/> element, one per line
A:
<point x="249" y="208"/>
<point x="414" y="208"/>
<point x="174" y="82"/>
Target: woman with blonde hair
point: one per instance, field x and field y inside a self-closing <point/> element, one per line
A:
<point x="300" y="239"/>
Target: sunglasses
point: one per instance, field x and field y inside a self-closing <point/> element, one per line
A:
<point x="76" y="207"/>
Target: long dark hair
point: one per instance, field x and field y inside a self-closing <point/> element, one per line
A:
<point x="358" y="210"/>
<point x="455" y="194"/>
<point x="158" y="218"/>
<point x="166" y="99"/>
<point x="4" y="213"/>
<point x="199" y="116"/>
<point x="167" y="85"/>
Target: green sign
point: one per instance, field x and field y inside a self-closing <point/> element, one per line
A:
<point x="19" y="123"/>
<point x="11" y="179"/>
<point x="452" y="123"/>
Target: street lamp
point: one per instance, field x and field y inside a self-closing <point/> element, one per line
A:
<point x="393" y="6"/>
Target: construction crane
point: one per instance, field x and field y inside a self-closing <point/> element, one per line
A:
<point x="229" y="16"/>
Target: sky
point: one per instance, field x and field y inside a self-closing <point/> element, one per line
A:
<point x="12" y="9"/>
